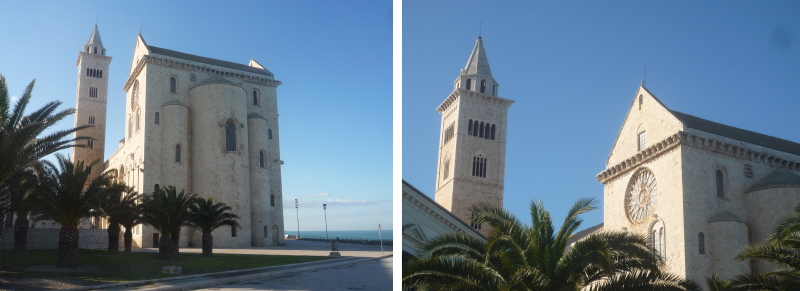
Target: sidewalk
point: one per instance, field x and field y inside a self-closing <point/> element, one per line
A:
<point x="351" y="254"/>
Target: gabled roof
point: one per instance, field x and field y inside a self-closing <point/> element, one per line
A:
<point x="95" y="38"/>
<point x="737" y="133"/>
<point x="781" y="177"/>
<point x="478" y="63"/>
<point x="205" y="60"/>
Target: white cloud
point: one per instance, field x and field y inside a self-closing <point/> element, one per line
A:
<point x="319" y="195"/>
<point x="14" y="98"/>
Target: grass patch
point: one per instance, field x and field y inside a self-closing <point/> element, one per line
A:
<point x="97" y="267"/>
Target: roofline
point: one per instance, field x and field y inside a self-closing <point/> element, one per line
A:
<point x="445" y="210"/>
<point x="619" y="133"/>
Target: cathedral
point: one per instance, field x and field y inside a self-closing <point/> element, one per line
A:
<point x="200" y="124"/>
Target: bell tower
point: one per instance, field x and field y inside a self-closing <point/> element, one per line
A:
<point x="91" y="101"/>
<point x="472" y="147"/>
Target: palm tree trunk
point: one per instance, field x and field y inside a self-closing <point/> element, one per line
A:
<point x="176" y="239"/>
<point x="21" y="233"/>
<point x="68" y="247"/>
<point x="113" y="238"/>
<point x="5" y="205"/>
<point x="128" y="240"/>
<point x="208" y="244"/>
<point x="165" y="248"/>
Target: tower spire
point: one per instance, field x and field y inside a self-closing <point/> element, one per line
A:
<point x="478" y="64"/>
<point x="95" y="44"/>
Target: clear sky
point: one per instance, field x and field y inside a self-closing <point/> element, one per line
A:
<point x="573" y="68"/>
<point x="334" y="59"/>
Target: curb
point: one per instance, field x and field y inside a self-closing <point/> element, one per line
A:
<point x="209" y="282"/>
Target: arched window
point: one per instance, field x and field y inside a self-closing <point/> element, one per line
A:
<point x="173" y="85"/>
<point x="177" y="153"/>
<point x="720" y="184"/>
<point x="469" y="84"/>
<point x="642" y="142"/>
<point x="269" y="133"/>
<point x="475" y="129"/>
<point x="488" y="131"/>
<point x="95" y="50"/>
<point x="261" y="159"/>
<point x="230" y="136"/>
<point x="480" y="132"/>
<point x="492" y="131"/>
<point x="483" y="86"/>
<point x="156" y="188"/>
<point x="479" y="167"/>
<point x="93" y="92"/>
<point x="101" y="73"/>
<point x="469" y="128"/>
<point x="701" y="241"/>
<point x="158" y="116"/>
<point x="255" y="97"/>
<point x="658" y="238"/>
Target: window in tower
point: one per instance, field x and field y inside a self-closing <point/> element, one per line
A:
<point x="475" y="128"/>
<point x="87" y="49"/>
<point x="446" y="168"/>
<point x="90" y="144"/>
<point x="720" y="179"/>
<point x="483" y="86"/>
<point x="230" y="136"/>
<point x="173" y="85"/>
<point x="479" y="166"/>
<point x="642" y="144"/>
<point x="493" y="127"/>
<point x="178" y="153"/>
<point x="480" y="131"/>
<point x="93" y="92"/>
<point x="95" y="50"/>
<point x="158" y="116"/>
<point x="271" y="198"/>
<point x="91" y="119"/>
<point x="101" y="74"/>
<point x="469" y="84"/>
<point x="269" y="133"/>
<point x="469" y="127"/>
<point x="488" y="132"/>
<point x="261" y="159"/>
<point x="701" y="241"/>
<point x="255" y="97"/>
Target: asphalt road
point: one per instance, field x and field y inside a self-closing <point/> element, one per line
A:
<point x="371" y="275"/>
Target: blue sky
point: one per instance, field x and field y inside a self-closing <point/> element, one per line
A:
<point x="334" y="59"/>
<point x="573" y="68"/>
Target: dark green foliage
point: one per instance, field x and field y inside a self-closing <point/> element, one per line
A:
<point x="167" y="210"/>
<point x="537" y="257"/>
<point x="208" y="216"/>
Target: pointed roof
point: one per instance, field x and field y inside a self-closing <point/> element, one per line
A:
<point x="95" y="38"/>
<point x="478" y="63"/>
<point x="779" y="178"/>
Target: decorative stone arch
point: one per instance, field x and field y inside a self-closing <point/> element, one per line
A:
<point x="657" y="235"/>
<point x="721" y="184"/>
<point x="227" y="130"/>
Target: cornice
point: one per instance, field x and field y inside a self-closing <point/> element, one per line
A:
<point x="449" y="219"/>
<point x="181" y="65"/>
<point x="472" y="94"/>
<point x="682" y="138"/>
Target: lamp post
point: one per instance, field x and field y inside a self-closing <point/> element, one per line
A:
<point x="298" y="218"/>
<point x="324" y="208"/>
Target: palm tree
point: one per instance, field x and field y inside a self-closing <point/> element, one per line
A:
<point x="536" y="257"/>
<point x="782" y="249"/>
<point x="20" y="186"/>
<point x="20" y="142"/>
<point x="129" y="219"/>
<point x="63" y="195"/>
<point x="166" y="211"/>
<point x="208" y="216"/>
<point x="114" y="208"/>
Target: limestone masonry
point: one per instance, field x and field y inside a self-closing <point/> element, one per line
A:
<point x="205" y="125"/>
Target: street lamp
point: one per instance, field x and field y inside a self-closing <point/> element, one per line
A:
<point x="324" y="208"/>
<point x="298" y="218"/>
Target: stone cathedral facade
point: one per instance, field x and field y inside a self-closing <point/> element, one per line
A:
<point x="205" y="125"/>
<point x="700" y="190"/>
<point x="472" y="148"/>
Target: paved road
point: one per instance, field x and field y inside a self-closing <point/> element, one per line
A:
<point x="371" y="275"/>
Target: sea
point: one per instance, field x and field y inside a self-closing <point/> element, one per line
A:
<point x="367" y="234"/>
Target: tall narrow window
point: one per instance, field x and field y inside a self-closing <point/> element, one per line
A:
<point x="483" y="86"/>
<point x="642" y="143"/>
<point x="95" y="50"/>
<point x="230" y="136"/>
<point x="173" y="85"/>
<point x="479" y="167"/>
<point x="469" y="84"/>
<point x="90" y="144"/>
<point x="480" y="131"/>
<point x="269" y="133"/>
<point x="177" y="153"/>
<point x="91" y="119"/>
<point x="493" y="131"/>
<point x="101" y="73"/>
<point x="488" y="131"/>
<point x="469" y="128"/>
<point x="255" y="97"/>
<point x="158" y="116"/>
<point x="156" y="188"/>
<point x="475" y="128"/>
<point x="658" y="239"/>
<point x="233" y="231"/>
<point x="446" y="169"/>
<point x="272" y="199"/>
<point x="701" y="240"/>
<point x="261" y="159"/>
<point x="640" y="102"/>
<point x="93" y="92"/>
<point x="265" y="231"/>
<point x="720" y="184"/>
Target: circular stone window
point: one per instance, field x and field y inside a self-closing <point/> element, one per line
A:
<point x="640" y="198"/>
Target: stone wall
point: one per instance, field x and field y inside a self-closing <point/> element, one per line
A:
<point x="43" y="239"/>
